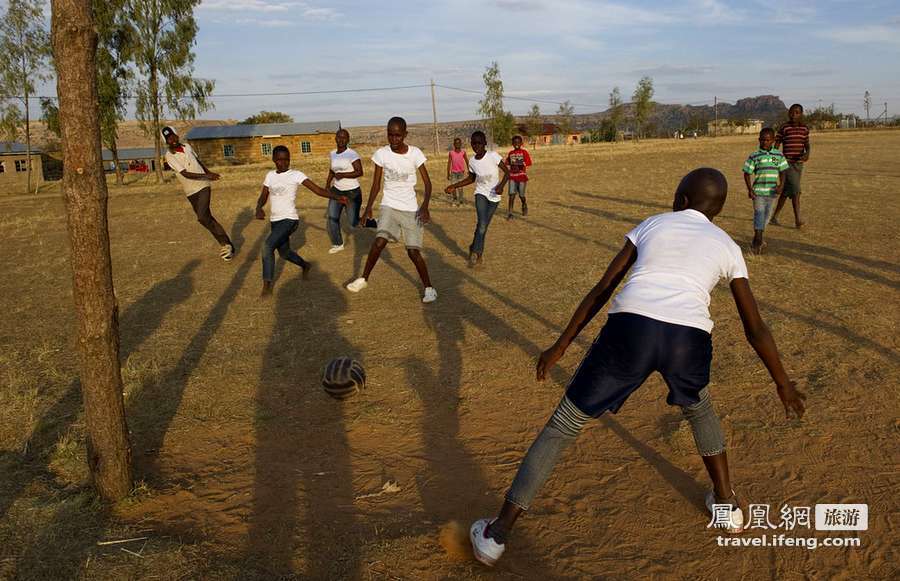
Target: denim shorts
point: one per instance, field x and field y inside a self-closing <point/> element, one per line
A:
<point x="763" y="206"/>
<point x="517" y="188"/>
<point x="629" y="348"/>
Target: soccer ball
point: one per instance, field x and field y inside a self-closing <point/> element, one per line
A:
<point x="343" y="377"/>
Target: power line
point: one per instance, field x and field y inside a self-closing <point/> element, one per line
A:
<point x="281" y="94"/>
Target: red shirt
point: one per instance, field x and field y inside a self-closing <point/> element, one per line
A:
<point x="518" y="160"/>
<point x="793" y="140"/>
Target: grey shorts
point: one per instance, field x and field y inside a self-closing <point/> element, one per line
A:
<point x="517" y="188"/>
<point x="792" y="179"/>
<point x="395" y="224"/>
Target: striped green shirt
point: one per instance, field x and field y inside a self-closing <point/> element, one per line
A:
<point x="765" y="166"/>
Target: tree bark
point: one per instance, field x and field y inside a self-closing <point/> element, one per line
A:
<point x="157" y="139"/>
<point x="84" y="185"/>
<point x="27" y="145"/>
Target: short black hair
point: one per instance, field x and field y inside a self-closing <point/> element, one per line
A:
<point x="479" y="133"/>
<point x="765" y="130"/>
<point x="279" y="149"/>
<point x="398" y="121"/>
<point x="517" y="137"/>
<point x="342" y="130"/>
<point x="797" y="105"/>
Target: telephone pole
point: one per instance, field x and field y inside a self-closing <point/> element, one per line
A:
<point x="434" y="118"/>
<point x="867" y="102"/>
<point x="716" y="109"/>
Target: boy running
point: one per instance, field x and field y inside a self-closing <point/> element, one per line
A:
<point x="280" y="186"/>
<point x="484" y="171"/>
<point x="793" y="138"/>
<point x="346" y="168"/>
<point x="518" y="161"/>
<point x="767" y="167"/>
<point x="400" y="216"/>
<point x="457" y="162"/>
<point x="195" y="178"/>
<point x="658" y="322"/>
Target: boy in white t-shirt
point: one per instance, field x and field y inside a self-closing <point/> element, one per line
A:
<point x="659" y="321"/>
<point x="343" y="180"/>
<point x="401" y="216"/>
<point x="280" y="188"/>
<point x="484" y="171"/>
<point x="196" y="180"/>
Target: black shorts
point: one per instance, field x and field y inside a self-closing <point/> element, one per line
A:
<point x="629" y="348"/>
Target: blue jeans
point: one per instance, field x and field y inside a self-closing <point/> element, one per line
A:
<point x="279" y="239"/>
<point x="762" y="211"/>
<point x="484" y="208"/>
<point x="354" y="203"/>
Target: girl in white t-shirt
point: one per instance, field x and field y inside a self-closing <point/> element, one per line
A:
<point x="489" y="173"/>
<point x="343" y="180"/>
<point x="280" y="189"/>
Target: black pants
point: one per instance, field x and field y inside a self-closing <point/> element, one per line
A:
<point x="200" y="203"/>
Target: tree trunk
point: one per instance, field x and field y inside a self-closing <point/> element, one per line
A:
<point x="157" y="140"/>
<point x="113" y="148"/>
<point x="27" y="145"/>
<point x="84" y="185"/>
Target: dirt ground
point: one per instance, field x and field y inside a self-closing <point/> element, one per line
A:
<point x="245" y="469"/>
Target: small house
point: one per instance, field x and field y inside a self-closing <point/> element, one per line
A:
<point x="550" y="134"/>
<point x="734" y="127"/>
<point x="234" y="144"/>
<point x="14" y="167"/>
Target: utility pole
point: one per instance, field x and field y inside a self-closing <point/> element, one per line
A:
<point x="434" y="118"/>
<point x="716" y="109"/>
<point x="885" y="114"/>
<point x="867" y="102"/>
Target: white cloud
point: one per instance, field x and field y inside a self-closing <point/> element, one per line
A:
<point x="866" y="34"/>
<point x="304" y="10"/>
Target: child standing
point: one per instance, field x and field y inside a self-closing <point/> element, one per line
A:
<point x="518" y="161"/>
<point x="280" y="186"/>
<point x="346" y="168"/>
<point x="457" y="162"/>
<point x="793" y="138"/>
<point x="764" y="175"/>
<point x="401" y="216"/>
<point x="484" y="171"/>
<point x="658" y="322"/>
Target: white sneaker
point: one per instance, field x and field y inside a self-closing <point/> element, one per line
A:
<point x="736" y="520"/>
<point x="430" y="295"/>
<point x="227" y="252"/>
<point x="335" y="249"/>
<point x="357" y="285"/>
<point x="487" y="551"/>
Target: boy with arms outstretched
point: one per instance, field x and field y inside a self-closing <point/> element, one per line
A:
<point x="401" y="216"/>
<point x="764" y="176"/>
<point x="659" y="321"/>
<point x="280" y="187"/>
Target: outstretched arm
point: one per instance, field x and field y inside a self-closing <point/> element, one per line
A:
<point x="263" y="198"/>
<point x="423" y="213"/>
<point x="469" y="179"/>
<point x="317" y="190"/>
<point x="373" y="193"/>
<point x="589" y="307"/>
<point x="761" y="340"/>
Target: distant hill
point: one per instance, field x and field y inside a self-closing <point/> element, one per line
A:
<point x="664" y="120"/>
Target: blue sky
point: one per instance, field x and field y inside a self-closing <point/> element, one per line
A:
<point x="547" y="49"/>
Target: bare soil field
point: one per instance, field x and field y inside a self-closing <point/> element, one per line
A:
<point x="245" y="469"/>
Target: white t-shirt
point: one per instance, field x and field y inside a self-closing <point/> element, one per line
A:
<point x="399" y="177"/>
<point x="487" y="174"/>
<point x="343" y="163"/>
<point x="186" y="159"/>
<point x="283" y="193"/>
<point x="680" y="258"/>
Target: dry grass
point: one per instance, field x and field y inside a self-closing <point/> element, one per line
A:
<point x="246" y="470"/>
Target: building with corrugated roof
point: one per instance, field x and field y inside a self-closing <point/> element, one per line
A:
<point x="14" y="167"/>
<point x="235" y="144"/>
